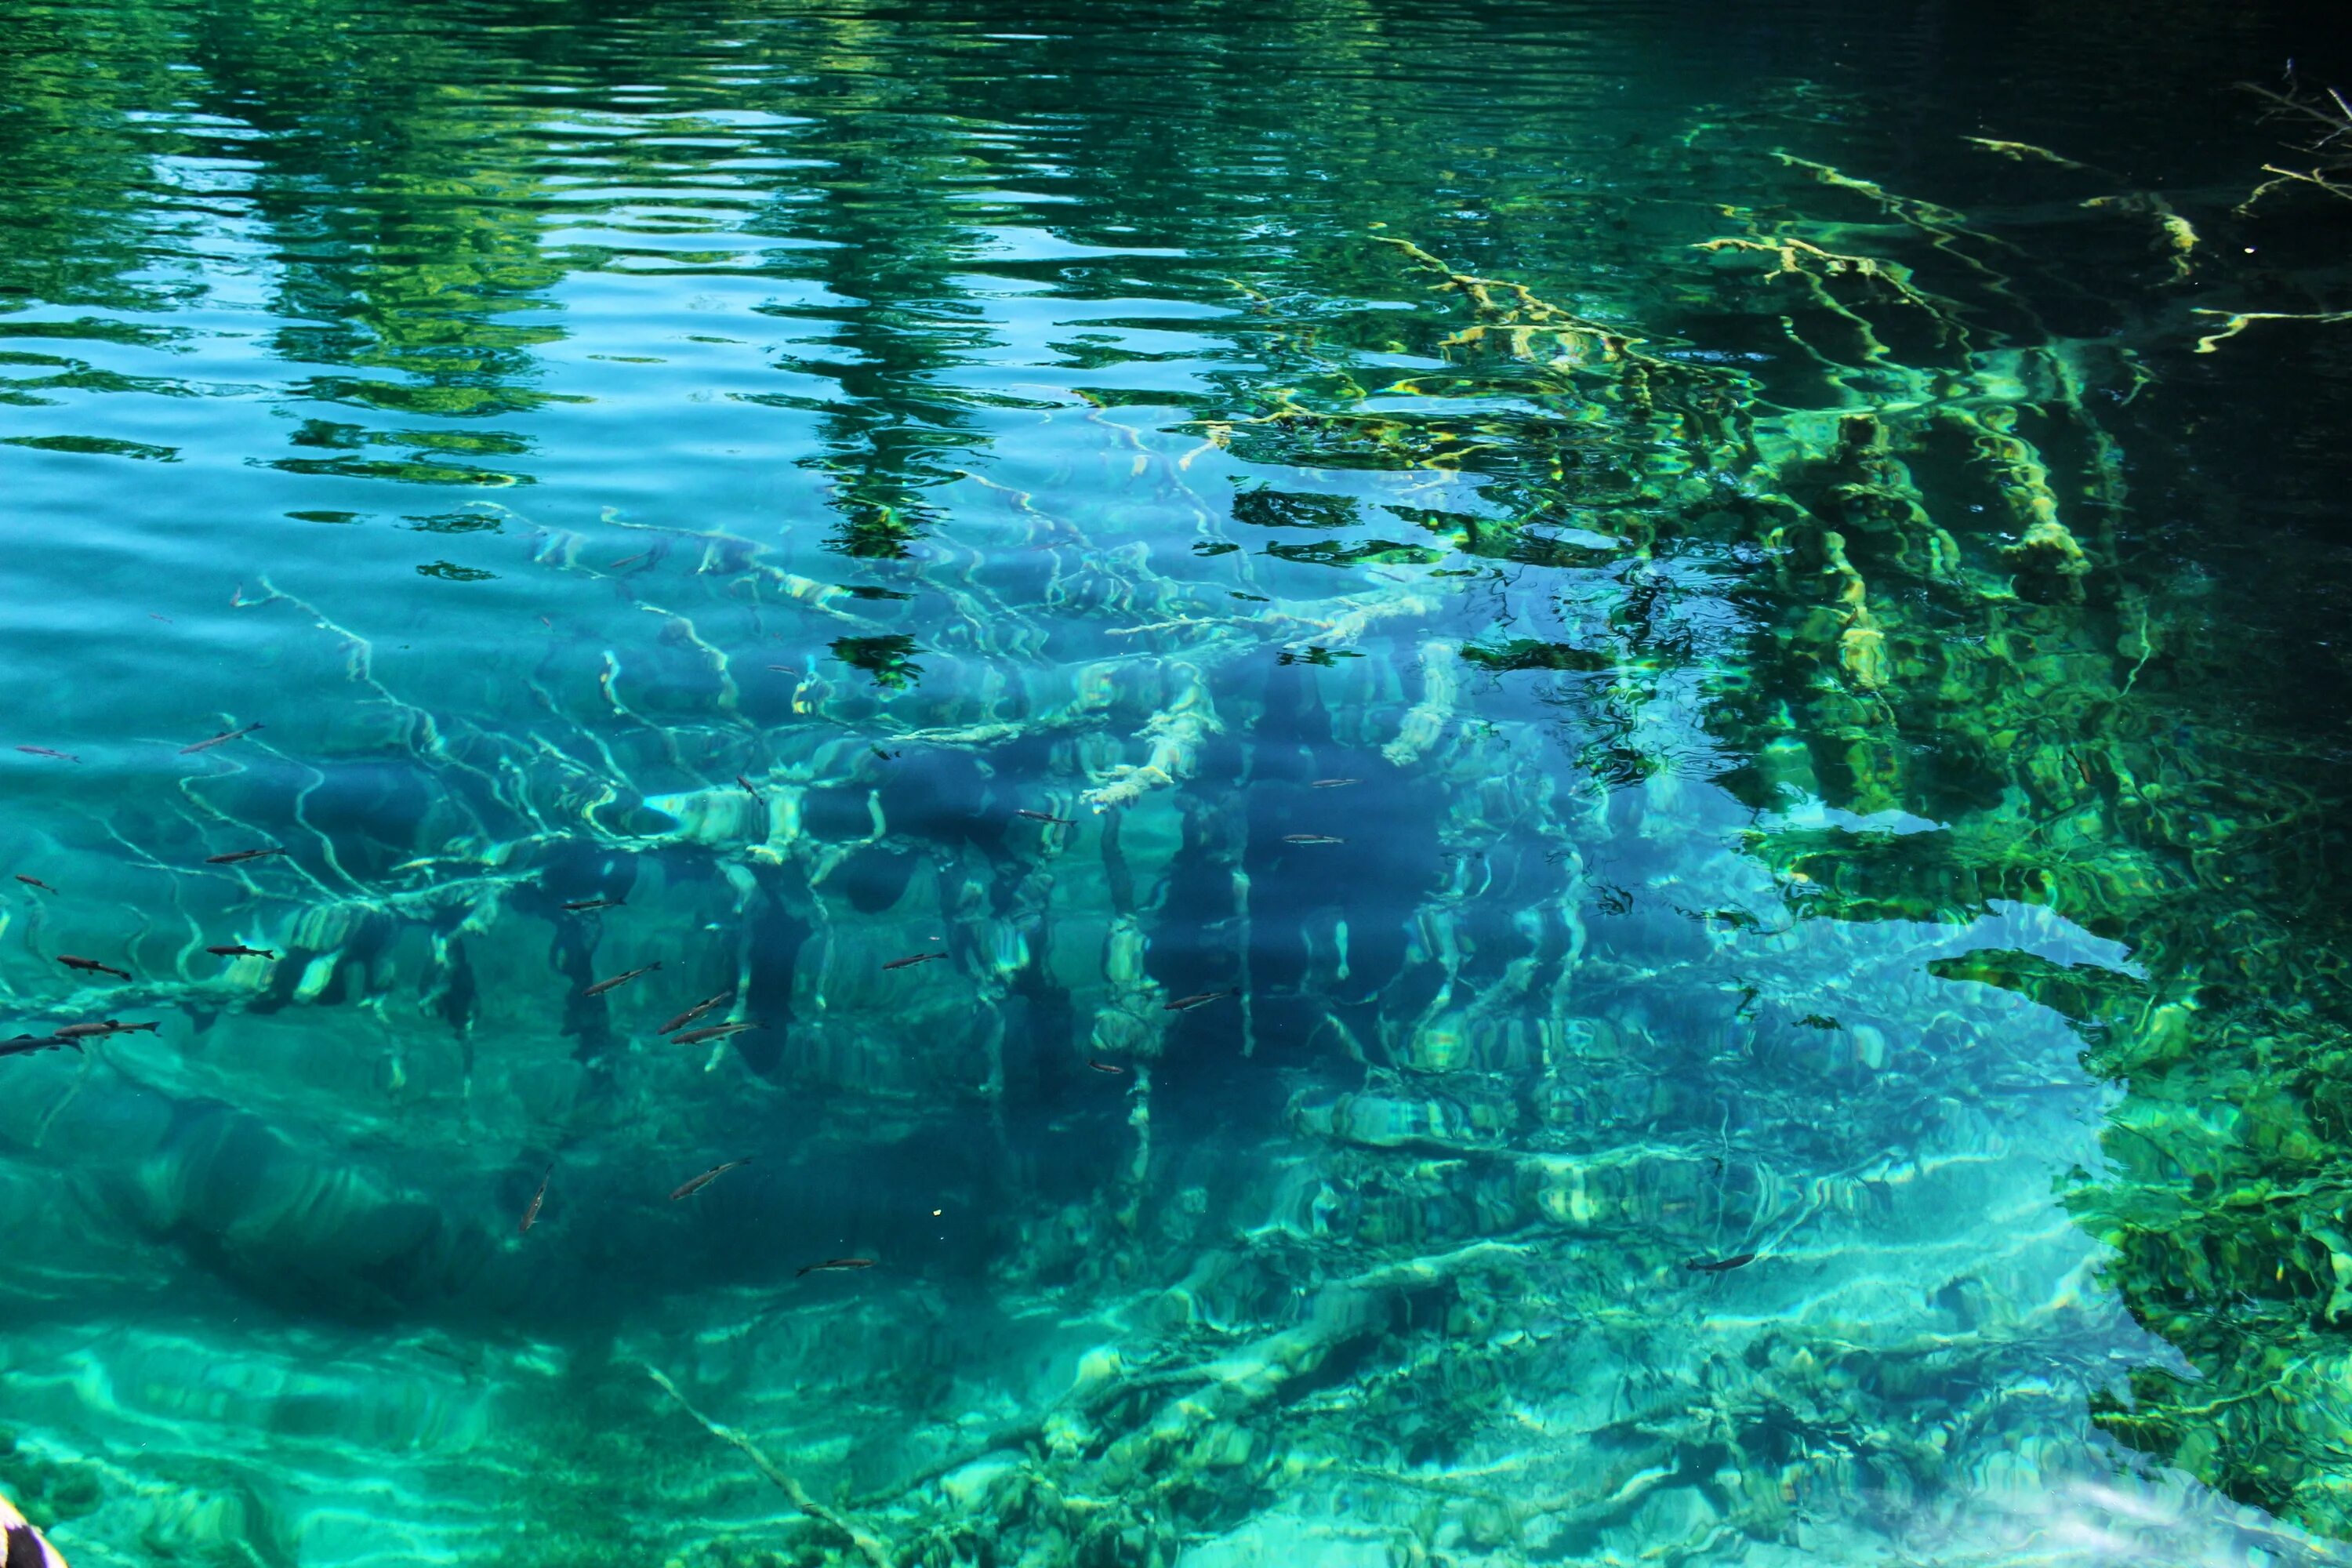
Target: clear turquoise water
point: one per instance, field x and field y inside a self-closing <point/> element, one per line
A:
<point x="1746" y="693"/>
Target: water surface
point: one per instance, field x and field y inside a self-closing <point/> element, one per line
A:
<point x="1615" y="769"/>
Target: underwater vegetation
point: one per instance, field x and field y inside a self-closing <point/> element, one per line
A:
<point x="1473" y="932"/>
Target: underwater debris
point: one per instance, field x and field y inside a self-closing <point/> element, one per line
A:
<point x="2022" y="151"/>
<point x="2236" y="322"/>
<point x="223" y="738"/>
<point x="876" y="1552"/>
<point x="689" y="1188"/>
<point x="2329" y="112"/>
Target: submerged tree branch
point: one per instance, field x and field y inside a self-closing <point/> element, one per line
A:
<point x="869" y="1545"/>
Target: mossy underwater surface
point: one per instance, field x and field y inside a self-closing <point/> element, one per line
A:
<point x="1615" y="736"/>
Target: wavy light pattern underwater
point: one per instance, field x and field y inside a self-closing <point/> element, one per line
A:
<point x="808" y="785"/>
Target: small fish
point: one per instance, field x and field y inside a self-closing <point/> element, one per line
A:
<point x="1106" y="1067"/>
<point x="623" y="560"/>
<point x="909" y="963"/>
<point x="238" y="950"/>
<point x="106" y="1026"/>
<point x="603" y="985"/>
<point x="26" y="1045"/>
<point x="841" y="1263"/>
<point x="46" y="752"/>
<point x="577" y="905"/>
<point x="1719" y="1265"/>
<point x="153" y="616"/>
<point x="1333" y="784"/>
<point x="238" y="856"/>
<point x="887" y="756"/>
<point x="1046" y="816"/>
<point x="1186" y="1003"/>
<point x="707" y="1177"/>
<point x="532" y="1214"/>
<point x="715" y="1032"/>
<point x="35" y="883"/>
<point x="782" y="669"/>
<point x="747" y="787"/>
<point x="91" y="965"/>
<point x="223" y="738"/>
<point x="691" y="1013"/>
<point x="1310" y="838"/>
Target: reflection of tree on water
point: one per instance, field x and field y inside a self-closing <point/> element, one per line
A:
<point x="1429" y="1286"/>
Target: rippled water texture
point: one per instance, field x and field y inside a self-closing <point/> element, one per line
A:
<point x="1480" y="785"/>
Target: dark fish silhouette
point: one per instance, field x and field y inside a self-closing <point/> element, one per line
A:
<point x="26" y="1045"/>
<point x="93" y="966"/>
<point x="747" y="787"/>
<point x="841" y="1263"/>
<point x="691" y="1013"/>
<point x="783" y="670"/>
<point x="105" y="1026"/>
<point x="238" y="950"/>
<point x="1106" y="1067"/>
<point x="911" y="962"/>
<point x="603" y="985"/>
<point x="707" y="1177"/>
<point x="578" y="905"/>
<point x="1719" y="1265"/>
<point x="1332" y="783"/>
<point x="238" y="856"/>
<point x="715" y="1032"/>
<point x="537" y="1198"/>
<point x="223" y="738"/>
<point x="35" y="883"/>
<point x="1186" y="1003"/>
<point x="1310" y="838"/>
<point x="1046" y="816"/>
<point x="46" y="752"/>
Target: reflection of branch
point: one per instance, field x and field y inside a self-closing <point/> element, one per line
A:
<point x="868" y="1546"/>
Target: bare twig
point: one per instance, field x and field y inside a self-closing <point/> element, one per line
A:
<point x="869" y="1545"/>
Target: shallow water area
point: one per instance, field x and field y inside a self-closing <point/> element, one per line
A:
<point x="1465" y="784"/>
